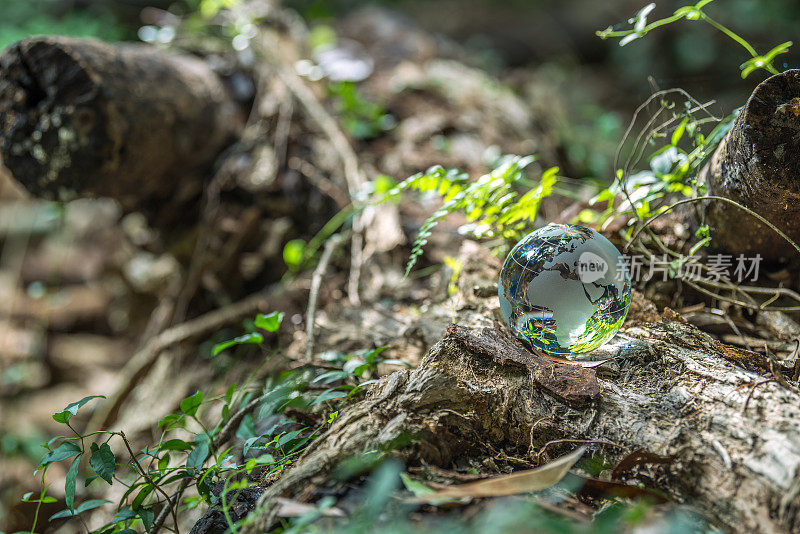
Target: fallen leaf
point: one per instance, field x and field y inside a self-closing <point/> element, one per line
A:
<point x="520" y="482"/>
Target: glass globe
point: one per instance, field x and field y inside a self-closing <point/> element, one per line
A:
<point x="564" y="289"/>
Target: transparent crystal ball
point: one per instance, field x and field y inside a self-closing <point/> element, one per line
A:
<point x="564" y="289"/>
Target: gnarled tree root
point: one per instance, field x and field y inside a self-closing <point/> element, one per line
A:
<point x="676" y="391"/>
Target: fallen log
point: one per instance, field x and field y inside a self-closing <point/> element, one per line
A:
<point x="757" y="164"/>
<point x="669" y="389"/>
<point x="82" y="117"/>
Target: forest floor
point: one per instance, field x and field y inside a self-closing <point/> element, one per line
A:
<point x="367" y="397"/>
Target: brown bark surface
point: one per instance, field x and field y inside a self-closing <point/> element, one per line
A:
<point x="82" y="117"/>
<point x="758" y="165"/>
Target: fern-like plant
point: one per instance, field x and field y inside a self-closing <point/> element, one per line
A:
<point x="493" y="203"/>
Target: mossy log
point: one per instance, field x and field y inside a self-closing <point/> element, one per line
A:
<point x="758" y="165"/>
<point x="80" y="117"/>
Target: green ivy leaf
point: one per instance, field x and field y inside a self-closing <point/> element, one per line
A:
<point x="147" y="516"/>
<point x="327" y="395"/>
<point x="90" y="505"/>
<point x="175" y="445"/>
<point x="72" y="409"/>
<point x="252" y="338"/>
<point x="67" y="449"/>
<point x="198" y="456"/>
<point x="69" y="484"/>
<point x="189" y="405"/>
<point x="270" y="322"/>
<point x="103" y="462"/>
<point x="146" y="490"/>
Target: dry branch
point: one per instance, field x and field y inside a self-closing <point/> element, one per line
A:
<point x="83" y="117"/>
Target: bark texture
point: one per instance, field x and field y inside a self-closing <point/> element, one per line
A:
<point x="79" y="116"/>
<point x="668" y="388"/>
<point x="758" y="165"/>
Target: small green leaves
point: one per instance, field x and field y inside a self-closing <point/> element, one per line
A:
<point x="190" y="404"/>
<point x="270" y="322"/>
<point x="103" y="461"/>
<point x="765" y="61"/>
<point x="66" y="414"/>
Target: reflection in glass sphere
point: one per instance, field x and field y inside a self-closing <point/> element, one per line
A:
<point x="565" y="289"/>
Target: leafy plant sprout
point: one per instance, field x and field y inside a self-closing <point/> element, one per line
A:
<point x="696" y="13"/>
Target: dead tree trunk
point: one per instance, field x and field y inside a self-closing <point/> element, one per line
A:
<point x="669" y="389"/>
<point x="758" y="165"/>
<point x="83" y="117"/>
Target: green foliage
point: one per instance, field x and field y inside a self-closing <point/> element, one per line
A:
<point x="270" y="323"/>
<point x="20" y="19"/>
<point x="492" y="204"/>
<point x="155" y="478"/>
<point x="696" y="13"/>
<point x="360" y="117"/>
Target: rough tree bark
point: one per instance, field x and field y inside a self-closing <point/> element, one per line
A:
<point x="758" y="165"/>
<point x="79" y="116"/>
<point x="669" y="389"/>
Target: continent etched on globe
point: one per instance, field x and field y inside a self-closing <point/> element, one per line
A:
<point x="565" y="289"/>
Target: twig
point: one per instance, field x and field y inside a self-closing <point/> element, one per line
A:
<point x="753" y="389"/>
<point x="316" y="281"/>
<point x="151" y="481"/>
<point x="145" y="357"/>
<point x="321" y="182"/>
<point x="352" y="172"/>
<point x="722" y="199"/>
<point x="567" y="440"/>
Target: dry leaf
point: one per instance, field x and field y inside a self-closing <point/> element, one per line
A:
<point x="521" y="482"/>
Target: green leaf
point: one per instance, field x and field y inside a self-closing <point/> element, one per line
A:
<point x="72" y="409"/>
<point x="90" y="505"/>
<point x="175" y="445"/>
<point x="147" y="516"/>
<point x="65" y="450"/>
<point x="327" y="395"/>
<point x="69" y="484"/>
<point x="103" y="462"/>
<point x="252" y="338"/>
<point x="198" y="456"/>
<point x="124" y="514"/>
<point x="229" y="392"/>
<point x="270" y="322"/>
<point x="678" y="133"/>
<point x="63" y="513"/>
<point x="170" y="420"/>
<point x="189" y="405"/>
<point x="146" y="490"/>
<point x="414" y="486"/>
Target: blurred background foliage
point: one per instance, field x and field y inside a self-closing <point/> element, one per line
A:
<point x="556" y="38"/>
